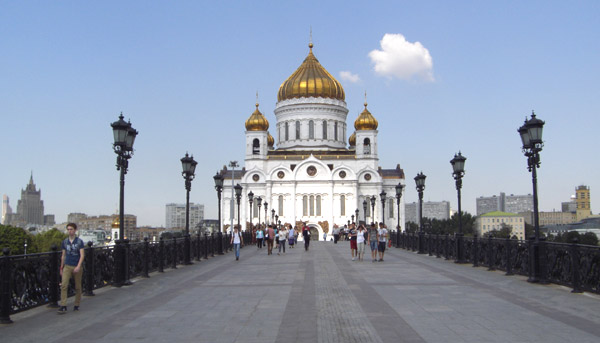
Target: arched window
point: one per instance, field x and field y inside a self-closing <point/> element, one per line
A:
<point x="287" y="131"/>
<point x="305" y="206"/>
<point x="280" y="205"/>
<point x="368" y="212"/>
<point x="311" y="129"/>
<point x="367" y="146"/>
<point x="318" y="205"/>
<point x="255" y="146"/>
<point x="324" y="129"/>
<point x="297" y="130"/>
<point x="311" y="203"/>
<point x="342" y="205"/>
<point x="335" y="133"/>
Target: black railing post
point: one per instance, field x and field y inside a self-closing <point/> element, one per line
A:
<point x="89" y="270"/>
<point x="174" y="265"/>
<point x="146" y="258"/>
<point x="118" y="256"/>
<point x="198" y="251"/>
<point x="127" y="282"/>
<point x="5" y="301"/>
<point x="447" y="248"/>
<point x="508" y="248"/>
<point x="429" y="252"/>
<point x="161" y="255"/>
<point x="490" y="254"/>
<point x="54" y="277"/>
<point x="543" y="262"/>
<point x="575" y="267"/>
<point x="220" y="236"/>
<point x="205" y="246"/>
<point x="437" y="246"/>
<point x="475" y="251"/>
<point x="212" y="244"/>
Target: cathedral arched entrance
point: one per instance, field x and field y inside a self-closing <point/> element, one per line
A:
<point x="316" y="232"/>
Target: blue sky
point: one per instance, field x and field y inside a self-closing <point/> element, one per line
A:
<point x="186" y="73"/>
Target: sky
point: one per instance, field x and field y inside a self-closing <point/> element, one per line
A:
<point x="440" y="77"/>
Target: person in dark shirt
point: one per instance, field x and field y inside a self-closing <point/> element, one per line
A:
<point x="353" y="245"/>
<point x="71" y="265"/>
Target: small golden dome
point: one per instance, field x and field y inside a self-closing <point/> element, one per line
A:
<point x="311" y="80"/>
<point x="352" y="139"/>
<point x="257" y="122"/>
<point x="116" y="223"/>
<point x="366" y="121"/>
<point x="270" y="140"/>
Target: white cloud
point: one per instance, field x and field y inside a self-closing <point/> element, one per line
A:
<point x="402" y="59"/>
<point x="348" y="76"/>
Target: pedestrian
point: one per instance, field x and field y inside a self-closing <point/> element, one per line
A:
<point x="352" y="233"/>
<point x="360" y="242"/>
<point x="291" y="237"/>
<point x="270" y="238"/>
<point x="236" y="240"/>
<point x="306" y="236"/>
<point x="336" y="233"/>
<point x="325" y="236"/>
<point x="260" y="234"/>
<point x="283" y="235"/>
<point x="373" y="241"/>
<point x="383" y="235"/>
<point x="71" y="263"/>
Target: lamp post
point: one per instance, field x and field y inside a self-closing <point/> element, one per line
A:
<point x="251" y="199"/>
<point x="25" y="245"/>
<point x="420" y="181"/>
<point x="238" y="197"/>
<point x="273" y="216"/>
<point x="365" y="210"/>
<point x="458" y="168"/>
<point x="124" y="137"/>
<point x="266" y="205"/>
<point x="259" y="204"/>
<point x="399" y="188"/>
<point x="352" y="216"/>
<point x="531" y="137"/>
<point x="382" y="196"/>
<point x="277" y="220"/>
<point x="219" y="187"/>
<point x="373" y="201"/>
<point x="189" y="167"/>
<point x="356" y="216"/>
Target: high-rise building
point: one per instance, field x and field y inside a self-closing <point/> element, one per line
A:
<point x="175" y="215"/>
<point x="439" y="210"/>
<point x="6" y="210"/>
<point x="30" y="207"/>
<point x="504" y="203"/>
<point x="583" y="201"/>
<point x="569" y="206"/>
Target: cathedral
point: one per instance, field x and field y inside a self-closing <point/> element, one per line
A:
<point x="313" y="174"/>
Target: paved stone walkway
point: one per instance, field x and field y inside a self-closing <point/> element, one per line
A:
<point x="320" y="296"/>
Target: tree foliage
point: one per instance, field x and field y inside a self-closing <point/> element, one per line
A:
<point x="45" y="240"/>
<point x="446" y="226"/>
<point x="588" y="238"/>
<point x="14" y="238"/>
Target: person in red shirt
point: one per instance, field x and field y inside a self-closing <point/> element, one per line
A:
<point x="270" y="238"/>
<point x="306" y="235"/>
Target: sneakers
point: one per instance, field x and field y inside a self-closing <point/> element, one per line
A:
<point x="353" y="259"/>
<point x="75" y="308"/>
<point x="62" y="310"/>
<point x="237" y="258"/>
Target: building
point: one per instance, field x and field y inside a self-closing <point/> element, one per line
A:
<point x="497" y="220"/>
<point x="550" y="218"/>
<point x="314" y="174"/>
<point x="591" y="224"/>
<point x="504" y="203"/>
<point x="6" y="209"/>
<point x="175" y="215"/>
<point x="30" y="209"/>
<point x="583" y="201"/>
<point x="439" y="210"/>
<point x="104" y="222"/>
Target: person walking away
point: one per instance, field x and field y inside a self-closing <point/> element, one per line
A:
<point x="236" y="240"/>
<point x="336" y="234"/>
<point x="373" y="241"/>
<point x="353" y="247"/>
<point x="360" y="242"/>
<point x="260" y="234"/>
<point x="306" y="235"/>
<point x="283" y="235"/>
<point x="270" y="238"/>
<point x="71" y="263"/>
<point x="291" y="237"/>
<point x="383" y="235"/>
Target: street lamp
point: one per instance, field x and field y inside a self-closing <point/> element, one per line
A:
<point x="259" y="204"/>
<point x="458" y="167"/>
<point x="273" y="216"/>
<point x="277" y="220"/>
<point x="365" y="210"/>
<point x="352" y="216"/>
<point x="420" y="181"/>
<point x="219" y="187"/>
<point x="189" y="167"/>
<point x="266" y="205"/>
<point x="124" y="137"/>
<point x="373" y="201"/>
<point x="25" y="245"/>
<point x="250" y="199"/>
<point x="238" y="197"/>
<point x="382" y="196"/>
<point x="356" y="216"/>
<point x="399" y="188"/>
<point x="531" y="137"/>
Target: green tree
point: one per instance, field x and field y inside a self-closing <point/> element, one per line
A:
<point x="14" y="238"/>
<point x="44" y="241"/>
<point x="411" y="227"/>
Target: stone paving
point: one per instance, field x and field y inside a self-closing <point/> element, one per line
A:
<point x="320" y="296"/>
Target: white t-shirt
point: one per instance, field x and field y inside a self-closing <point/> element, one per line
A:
<point x="282" y="234"/>
<point x="360" y="236"/>
<point x="236" y="238"/>
<point x="382" y="235"/>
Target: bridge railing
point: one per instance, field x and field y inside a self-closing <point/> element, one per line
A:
<point x="28" y="281"/>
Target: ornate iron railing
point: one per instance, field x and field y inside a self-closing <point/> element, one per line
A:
<point x="28" y="281"/>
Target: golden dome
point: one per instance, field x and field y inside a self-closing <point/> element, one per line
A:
<point x="311" y="80"/>
<point x="257" y="122"/>
<point x="270" y="140"/>
<point x="115" y="224"/>
<point x="366" y="121"/>
<point x="352" y="139"/>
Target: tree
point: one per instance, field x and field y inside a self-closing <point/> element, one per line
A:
<point x="14" y="238"/>
<point x="44" y="241"/>
<point x="411" y="227"/>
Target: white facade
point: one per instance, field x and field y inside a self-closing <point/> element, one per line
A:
<point x="313" y="175"/>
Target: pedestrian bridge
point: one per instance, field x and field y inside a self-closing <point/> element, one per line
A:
<point x="320" y="295"/>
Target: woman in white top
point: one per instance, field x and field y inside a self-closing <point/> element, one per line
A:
<point x="236" y="239"/>
<point x="360" y="242"/>
<point x="282" y="235"/>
